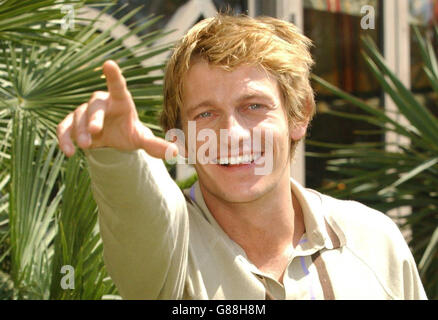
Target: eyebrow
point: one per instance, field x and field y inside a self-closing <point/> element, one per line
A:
<point x="254" y="96"/>
<point x="245" y="97"/>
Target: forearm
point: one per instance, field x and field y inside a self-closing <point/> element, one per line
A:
<point x="143" y="222"/>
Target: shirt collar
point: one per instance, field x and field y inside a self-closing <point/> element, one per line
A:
<point x="321" y="230"/>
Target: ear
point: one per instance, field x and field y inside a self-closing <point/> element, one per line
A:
<point x="298" y="131"/>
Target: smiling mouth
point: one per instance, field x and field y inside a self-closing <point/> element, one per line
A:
<point x="239" y="160"/>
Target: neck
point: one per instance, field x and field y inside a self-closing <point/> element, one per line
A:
<point x="267" y="228"/>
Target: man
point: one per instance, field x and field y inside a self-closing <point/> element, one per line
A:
<point x="235" y="234"/>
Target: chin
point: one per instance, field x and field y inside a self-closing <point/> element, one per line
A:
<point x="235" y="185"/>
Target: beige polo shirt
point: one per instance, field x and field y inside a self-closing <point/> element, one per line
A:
<point x="161" y="243"/>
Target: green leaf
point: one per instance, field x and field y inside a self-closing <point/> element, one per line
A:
<point x="429" y="253"/>
<point x="409" y="175"/>
<point x="34" y="171"/>
<point x="48" y="217"/>
<point x="384" y="180"/>
<point x="78" y="244"/>
<point x="418" y="115"/>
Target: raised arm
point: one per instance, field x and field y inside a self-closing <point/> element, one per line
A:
<point x="142" y="212"/>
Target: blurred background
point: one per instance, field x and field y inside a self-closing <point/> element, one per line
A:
<point x="373" y="138"/>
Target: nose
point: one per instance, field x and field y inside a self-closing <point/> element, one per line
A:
<point x="235" y="135"/>
<point x="236" y="129"/>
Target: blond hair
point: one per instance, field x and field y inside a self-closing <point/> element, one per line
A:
<point x="231" y="41"/>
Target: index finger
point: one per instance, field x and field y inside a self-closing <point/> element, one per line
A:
<point x="115" y="81"/>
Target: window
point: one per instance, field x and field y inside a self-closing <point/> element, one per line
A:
<point x="424" y="16"/>
<point x="335" y="28"/>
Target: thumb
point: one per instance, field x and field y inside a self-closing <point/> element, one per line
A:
<point x="156" y="146"/>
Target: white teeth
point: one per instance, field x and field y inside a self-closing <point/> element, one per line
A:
<point x="235" y="160"/>
<point x="257" y="157"/>
<point x="245" y="159"/>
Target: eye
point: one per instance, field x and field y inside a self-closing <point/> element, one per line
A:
<point x="255" y="106"/>
<point x="202" y="115"/>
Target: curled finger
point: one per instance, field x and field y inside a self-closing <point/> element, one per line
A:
<point x="63" y="132"/>
<point x="81" y="134"/>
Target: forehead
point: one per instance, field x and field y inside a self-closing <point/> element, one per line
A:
<point x="207" y="81"/>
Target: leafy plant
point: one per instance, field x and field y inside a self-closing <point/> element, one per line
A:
<point x="21" y="20"/>
<point x="48" y="218"/>
<point x="394" y="176"/>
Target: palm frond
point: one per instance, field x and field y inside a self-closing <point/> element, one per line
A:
<point x="50" y="82"/>
<point x="32" y="206"/>
<point x="27" y="21"/>
<point x="78" y="243"/>
<point x="48" y="218"/>
<point x="373" y="174"/>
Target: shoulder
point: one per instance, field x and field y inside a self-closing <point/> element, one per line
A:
<point x="376" y="241"/>
<point x="361" y="223"/>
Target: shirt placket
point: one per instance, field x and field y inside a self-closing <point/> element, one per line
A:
<point x="290" y="289"/>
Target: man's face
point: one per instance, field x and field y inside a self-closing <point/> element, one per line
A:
<point x="245" y="104"/>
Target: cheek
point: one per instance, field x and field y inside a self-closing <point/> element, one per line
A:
<point x="275" y="140"/>
<point x="277" y="128"/>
